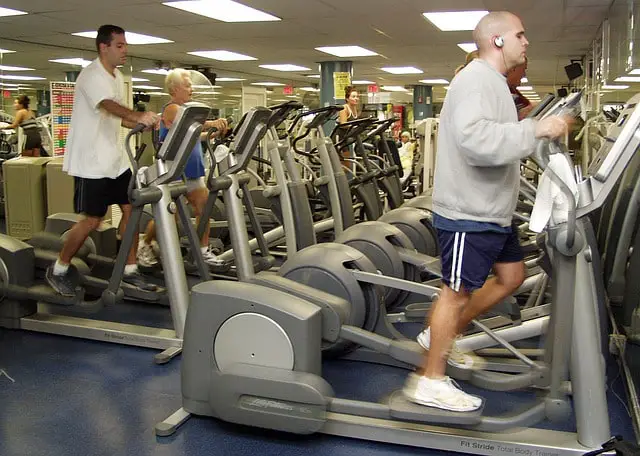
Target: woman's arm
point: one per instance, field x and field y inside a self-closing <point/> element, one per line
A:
<point x="169" y="114"/>
<point x="343" y="116"/>
<point x="20" y="116"/>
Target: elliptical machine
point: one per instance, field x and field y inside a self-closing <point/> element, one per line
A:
<point x="254" y="358"/>
<point x="32" y="306"/>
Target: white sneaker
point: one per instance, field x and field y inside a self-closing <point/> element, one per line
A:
<point x="211" y="258"/>
<point x="146" y="256"/>
<point x="457" y="358"/>
<point x="440" y="393"/>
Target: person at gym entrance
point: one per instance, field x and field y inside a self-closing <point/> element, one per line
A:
<point x="476" y="187"/>
<point x="179" y="85"/>
<point x="95" y="154"/>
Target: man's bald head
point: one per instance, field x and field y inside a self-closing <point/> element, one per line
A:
<point x="494" y="24"/>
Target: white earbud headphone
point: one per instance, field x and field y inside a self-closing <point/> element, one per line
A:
<point x="499" y="42"/>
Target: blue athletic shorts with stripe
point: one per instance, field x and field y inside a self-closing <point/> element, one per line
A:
<point x="468" y="257"/>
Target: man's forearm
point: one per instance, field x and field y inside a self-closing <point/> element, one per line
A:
<point x="116" y="109"/>
<point x="128" y="124"/>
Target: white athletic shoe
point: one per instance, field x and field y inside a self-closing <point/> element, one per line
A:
<point x="457" y="358"/>
<point x="211" y="258"/>
<point x="146" y="256"/>
<point x="441" y="393"/>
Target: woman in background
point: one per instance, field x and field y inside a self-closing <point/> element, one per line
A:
<point x="26" y="120"/>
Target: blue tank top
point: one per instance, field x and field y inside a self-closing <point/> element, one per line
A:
<point x="195" y="164"/>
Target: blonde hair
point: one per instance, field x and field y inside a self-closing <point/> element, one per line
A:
<point x="470" y="56"/>
<point x="175" y="78"/>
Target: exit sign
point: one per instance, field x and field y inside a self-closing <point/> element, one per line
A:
<point x="287" y="90"/>
<point x="372" y="89"/>
<point x="6" y="94"/>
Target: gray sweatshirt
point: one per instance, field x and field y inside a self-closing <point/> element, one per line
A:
<point x="480" y="144"/>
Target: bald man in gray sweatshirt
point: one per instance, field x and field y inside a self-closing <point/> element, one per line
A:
<point x="480" y="144"/>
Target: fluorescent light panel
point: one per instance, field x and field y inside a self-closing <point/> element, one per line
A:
<point x="6" y="51"/>
<point x="161" y="94"/>
<point x="394" y="89"/>
<point x="455" y="20"/>
<point x="229" y="79"/>
<point x="635" y="71"/>
<point x="223" y="10"/>
<point x="160" y="71"/>
<point x="139" y="80"/>
<point x="15" y="77"/>
<point x="132" y="38"/>
<point x="628" y="79"/>
<point x="361" y="82"/>
<point x="147" y="87"/>
<point x="615" y="87"/>
<point x="267" y="84"/>
<point x="468" y="47"/>
<point x="72" y="61"/>
<point x="434" y="81"/>
<point x="402" y="70"/>
<point x="14" y="68"/>
<point x="346" y="51"/>
<point x="4" y="12"/>
<point x="524" y="88"/>
<point x="284" y="67"/>
<point x="309" y="89"/>
<point x="3" y="84"/>
<point x="524" y="80"/>
<point x="314" y="76"/>
<point x="225" y="56"/>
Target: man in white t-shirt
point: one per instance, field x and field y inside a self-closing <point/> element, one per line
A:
<point x="95" y="155"/>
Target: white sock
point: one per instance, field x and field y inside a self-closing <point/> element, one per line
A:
<point x="60" y="268"/>
<point x="130" y="269"/>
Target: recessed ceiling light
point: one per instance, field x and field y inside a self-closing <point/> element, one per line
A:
<point x="524" y="80"/>
<point x="434" y="81"/>
<point x="132" y="38"/>
<point x="14" y="68"/>
<point x="309" y="89"/>
<point x="6" y="51"/>
<point x="147" y="87"/>
<point x="20" y="78"/>
<point x="267" y="84"/>
<point x="524" y="88"/>
<point x="10" y="12"/>
<point x="615" y="87"/>
<point x="394" y="88"/>
<point x="314" y="76"/>
<point x="73" y="61"/>
<point x="346" y="51"/>
<point x="225" y="56"/>
<point x="223" y="10"/>
<point x="455" y="20"/>
<point x="402" y="70"/>
<point x="284" y="67"/>
<point x="229" y="79"/>
<point x="160" y="71"/>
<point x="468" y="47"/>
<point x="362" y="82"/>
<point x="628" y="79"/>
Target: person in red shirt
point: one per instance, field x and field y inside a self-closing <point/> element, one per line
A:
<point x="514" y="76"/>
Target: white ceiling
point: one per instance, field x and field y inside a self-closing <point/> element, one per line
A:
<point x="558" y="30"/>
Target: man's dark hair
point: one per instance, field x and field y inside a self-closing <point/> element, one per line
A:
<point x="105" y="34"/>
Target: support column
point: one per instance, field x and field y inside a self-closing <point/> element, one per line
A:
<point x="334" y="77"/>
<point x="422" y="102"/>
<point x="71" y="76"/>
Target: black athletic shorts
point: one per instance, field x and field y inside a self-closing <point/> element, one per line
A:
<point x="468" y="257"/>
<point x="93" y="197"/>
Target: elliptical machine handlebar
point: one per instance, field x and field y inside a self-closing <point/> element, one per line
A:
<point x="282" y="111"/>
<point x="541" y="157"/>
<point x="322" y="115"/>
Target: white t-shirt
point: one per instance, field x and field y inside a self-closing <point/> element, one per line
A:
<point x="94" y="149"/>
